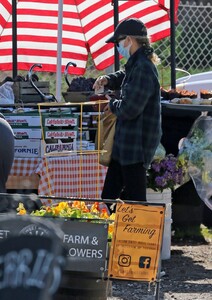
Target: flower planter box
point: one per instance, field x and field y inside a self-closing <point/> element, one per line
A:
<point x="82" y="286"/>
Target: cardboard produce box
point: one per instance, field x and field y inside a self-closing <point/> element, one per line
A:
<point x="85" y="145"/>
<point x="29" y="119"/>
<point x="27" y="133"/>
<point x="28" y="148"/>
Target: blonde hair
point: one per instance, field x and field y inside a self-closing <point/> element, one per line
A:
<point x="144" y="43"/>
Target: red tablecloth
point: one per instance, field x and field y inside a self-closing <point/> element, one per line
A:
<point x="73" y="176"/>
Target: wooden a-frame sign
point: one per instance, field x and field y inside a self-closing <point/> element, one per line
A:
<point x="136" y="242"/>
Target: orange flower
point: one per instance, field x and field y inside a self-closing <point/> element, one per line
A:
<point x="80" y="205"/>
<point x="104" y="214"/>
<point x="56" y="211"/>
<point x="76" y="204"/>
<point x="111" y="228"/>
<point x="48" y="209"/>
<point x="95" y="207"/>
<point x="22" y="212"/>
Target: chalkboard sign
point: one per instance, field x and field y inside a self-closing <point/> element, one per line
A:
<point x="13" y="225"/>
<point x="30" y="266"/>
<point x="85" y="242"/>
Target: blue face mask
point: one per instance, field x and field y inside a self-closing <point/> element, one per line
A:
<point x="124" y="51"/>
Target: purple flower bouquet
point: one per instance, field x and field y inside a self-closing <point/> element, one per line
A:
<point x="164" y="173"/>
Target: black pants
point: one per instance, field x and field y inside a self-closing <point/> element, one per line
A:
<point x="125" y="182"/>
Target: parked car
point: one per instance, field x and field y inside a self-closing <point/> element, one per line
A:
<point x="195" y="82"/>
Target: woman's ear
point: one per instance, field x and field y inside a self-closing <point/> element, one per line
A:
<point x="128" y="40"/>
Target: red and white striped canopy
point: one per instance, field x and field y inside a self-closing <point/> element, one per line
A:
<point x="86" y="24"/>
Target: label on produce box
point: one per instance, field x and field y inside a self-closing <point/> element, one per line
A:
<point x="27" y="133"/>
<point x="27" y="148"/>
<point x="23" y="120"/>
<point x="57" y="147"/>
<point x="60" y="134"/>
<point x="61" y="122"/>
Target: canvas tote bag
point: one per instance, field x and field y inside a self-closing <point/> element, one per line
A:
<point x="104" y="137"/>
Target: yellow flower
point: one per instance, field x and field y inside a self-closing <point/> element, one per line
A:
<point x="63" y="205"/>
<point x="21" y="210"/>
<point x="112" y="216"/>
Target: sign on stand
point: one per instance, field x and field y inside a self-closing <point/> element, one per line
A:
<point x="136" y="243"/>
<point x="86" y="245"/>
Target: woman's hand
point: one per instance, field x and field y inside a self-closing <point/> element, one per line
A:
<point x="100" y="82"/>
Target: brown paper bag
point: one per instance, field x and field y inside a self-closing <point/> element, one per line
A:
<point x="104" y="137"/>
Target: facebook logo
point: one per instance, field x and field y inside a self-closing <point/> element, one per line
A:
<point x="144" y="262"/>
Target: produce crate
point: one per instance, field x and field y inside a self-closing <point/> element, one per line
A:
<point x="77" y="97"/>
<point x="25" y="119"/>
<point x="25" y="92"/>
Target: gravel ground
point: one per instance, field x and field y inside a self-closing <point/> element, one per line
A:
<point x="188" y="276"/>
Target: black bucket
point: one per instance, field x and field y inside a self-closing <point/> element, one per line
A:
<point x="83" y="286"/>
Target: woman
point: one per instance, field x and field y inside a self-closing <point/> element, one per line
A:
<point x="138" y="125"/>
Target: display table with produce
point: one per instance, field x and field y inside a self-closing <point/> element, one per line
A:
<point x="78" y="175"/>
<point x="54" y="149"/>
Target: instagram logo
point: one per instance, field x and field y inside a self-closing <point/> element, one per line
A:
<point x="124" y="260"/>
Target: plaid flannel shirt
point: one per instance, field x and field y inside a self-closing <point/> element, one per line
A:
<point x="138" y="111"/>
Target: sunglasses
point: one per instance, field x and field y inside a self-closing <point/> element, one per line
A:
<point x="119" y="40"/>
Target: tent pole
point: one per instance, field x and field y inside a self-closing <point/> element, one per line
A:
<point x="59" y="50"/>
<point x="116" y="21"/>
<point x="14" y="37"/>
<point x="172" y="41"/>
